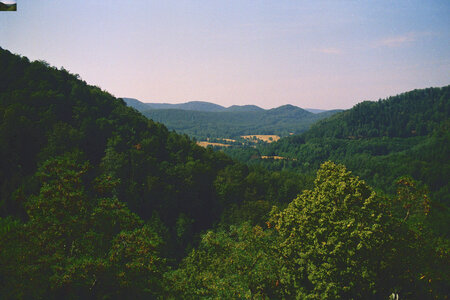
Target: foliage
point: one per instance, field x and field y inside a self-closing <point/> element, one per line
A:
<point x="407" y="134"/>
<point x="46" y="112"/>
<point x="335" y="239"/>
<point x="415" y="113"/>
<point x="77" y="246"/>
<point x="238" y="263"/>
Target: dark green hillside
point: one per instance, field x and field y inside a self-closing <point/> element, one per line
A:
<point x="414" y="113"/>
<point x="406" y="134"/>
<point x="47" y="113"/>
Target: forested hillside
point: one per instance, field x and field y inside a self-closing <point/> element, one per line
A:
<point x="406" y="134"/>
<point x="415" y="113"/>
<point x="98" y="202"/>
<point x="207" y="120"/>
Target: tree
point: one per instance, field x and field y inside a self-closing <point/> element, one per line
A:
<point x="335" y="239"/>
<point x="79" y="245"/>
<point x="239" y="263"/>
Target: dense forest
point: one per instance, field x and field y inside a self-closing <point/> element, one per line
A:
<point x="407" y="134"/>
<point x="203" y="120"/>
<point x="99" y="202"/>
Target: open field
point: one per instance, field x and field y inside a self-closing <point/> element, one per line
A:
<point x="264" y="138"/>
<point x="272" y="157"/>
<point x="276" y="157"/>
<point x="206" y="144"/>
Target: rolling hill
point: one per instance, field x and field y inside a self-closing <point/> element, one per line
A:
<point x="407" y="134"/>
<point x="192" y="105"/>
<point x="206" y="120"/>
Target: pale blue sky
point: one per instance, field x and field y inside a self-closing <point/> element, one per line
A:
<point x="320" y="54"/>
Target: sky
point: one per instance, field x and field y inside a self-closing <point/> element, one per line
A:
<point x="313" y="54"/>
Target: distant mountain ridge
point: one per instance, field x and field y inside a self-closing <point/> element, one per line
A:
<point x="204" y="106"/>
<point x="191" y="105"/>
<point x="203" y="119"/>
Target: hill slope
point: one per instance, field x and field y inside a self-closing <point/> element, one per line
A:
<point x="47" y="113"/>
<point x="414" y="113"/>
<point x="408" y="134"/>
<point x="49" y="117"/>
<point x="205" y="120"/>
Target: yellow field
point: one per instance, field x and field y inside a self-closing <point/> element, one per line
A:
<point x="264" y="138"/>
<point x="277" y="157"/>
<point x="273" y="157"/>
<point x="206" y="144"/>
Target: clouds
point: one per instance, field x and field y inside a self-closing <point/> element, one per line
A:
<point x="398" y="41"/>
<point x="404" y="40"/>
<point x="401" y="40"/>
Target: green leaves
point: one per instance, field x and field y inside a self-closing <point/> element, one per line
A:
<point x="75" y="245"/>
<point x="135" y="262"/>
<point x="333" y="237"/>
<point x="237" y="263"/>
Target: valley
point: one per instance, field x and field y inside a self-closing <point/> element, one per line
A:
<point x="202" y="120"/>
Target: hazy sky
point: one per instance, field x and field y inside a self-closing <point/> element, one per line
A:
<point x="317" y="54"/>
